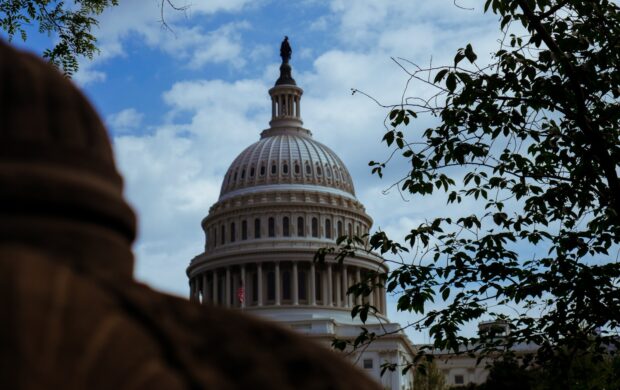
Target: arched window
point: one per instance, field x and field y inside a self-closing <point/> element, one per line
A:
<point x="223" y="235"/>
<point x="285" y="227"/>
<point x="327" y="171"/>
<point x="315" y="227"/>
<point x="328" y="228"/>
<point x="243" y="173"/>
<point x="339" y="228"/>
<point x="308" y="169"/>
<point x="318" y="170"/>
<point x="300" y="226"/>
<point x="235" y="177"/>
<point x="297" y="169"/>
<point x="257" y="228"/>
<point x="272" y="227"/>
<point x="232" y="232"/>
<point x="252" y="172"/>
<point x="286" y="285"/>
<point x="274" y="168"/>
<point x="285" y="168"/>
<point x="244" y="230"/>
<point x="262" y="170"/>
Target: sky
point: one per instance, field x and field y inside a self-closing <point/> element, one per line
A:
<point x="182" y="102"/>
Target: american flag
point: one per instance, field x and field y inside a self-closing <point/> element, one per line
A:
<point x="241" y="294"/>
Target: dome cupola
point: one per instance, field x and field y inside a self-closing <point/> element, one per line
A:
<point x="282" y="198"/>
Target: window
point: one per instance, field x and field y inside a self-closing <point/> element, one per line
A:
<point x="272" y="227"/>
<point x="262" y="170"/>
<point x="244" y="230"/>
<point x="286" y="285"/>
<point x="339" y="228"/>
<point x="297" y="169"/>
<point x="285" y="227"/>
<point x="235" y="178"/>
<point x="274" y="168"/>
<point x="357" y="230"/>
<point x="301" y="285"/>
<point x="459" y="380"/>
<point x="285" y="168"/>
<point x="328" y="228"/>
<point x="300" y="226"/>
<point x="252" y="172"/>
<point x="349" y="230"/>
<point x="271" y="286"/>
<point x="368" y="364"/>
<point x="318" y="170"/>
<point x="215" y="237"/>
<point x="243" y="173"/>
<point x="232" y="232"/>
<point x="317" y="286"/>
<point x="257" y="228"/>
<point x="254" y="286"/>
<point x="223" y="235"/>
<point x="308" y="169"/>
<point x="327" y="171"/>
<point x="315" y="227"/>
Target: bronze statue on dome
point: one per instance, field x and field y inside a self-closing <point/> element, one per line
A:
<point x="285" y="50"/>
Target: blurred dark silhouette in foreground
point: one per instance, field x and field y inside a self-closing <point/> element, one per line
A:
<point x="72" y="315"/>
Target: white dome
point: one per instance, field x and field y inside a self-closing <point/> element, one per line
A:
<point x="288" y="157"/>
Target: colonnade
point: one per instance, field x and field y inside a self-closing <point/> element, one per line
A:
<point x="285" y="105"/>
<point x="277" y="283"/>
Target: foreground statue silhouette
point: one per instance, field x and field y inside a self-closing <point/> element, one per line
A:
<point x="72" y="317"/>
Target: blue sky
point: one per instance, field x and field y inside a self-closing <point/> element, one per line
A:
<point x="181" y="104"/>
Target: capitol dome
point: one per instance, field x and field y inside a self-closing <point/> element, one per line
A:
<point x="287" y="156"/>
<point x="283" y="198"/>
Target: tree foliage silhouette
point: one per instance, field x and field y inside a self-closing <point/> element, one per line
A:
<point x="532" y="139"/>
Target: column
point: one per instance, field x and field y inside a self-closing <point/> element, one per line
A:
<point x="278" y="283"/>
<point x="338" y="291"/>
<point x="227" y="284"/>
<point x="312" y="284"/>
<point x="330" y="287"/>
<point x="273" y="108"/>
<point x="371" y="297"/>
<point x="358" y="279"/>
<point x="243" y="285"/>
<point x="295" y="284"/>
<point x="259" y="283"/>
<point x="205" y="289"/>
<point x="297" y="108"/>
<point x="383" y="301"/>
<point x="291" y="112"/>
<point x="324" y="287"/>
<point x="215" y="297"/>
<point x="345" y="286"/>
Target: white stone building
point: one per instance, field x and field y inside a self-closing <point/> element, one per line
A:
<point x="283" y="198"/>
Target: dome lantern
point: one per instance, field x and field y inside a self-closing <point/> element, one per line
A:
<point x="285" y="95"/>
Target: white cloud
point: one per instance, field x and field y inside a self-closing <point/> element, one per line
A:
<point x="87" y="76"/>
<point x="127" y="119"/>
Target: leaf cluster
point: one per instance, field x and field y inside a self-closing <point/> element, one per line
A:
<point x="536" y="137"/>
<point x="70" y="23"/>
